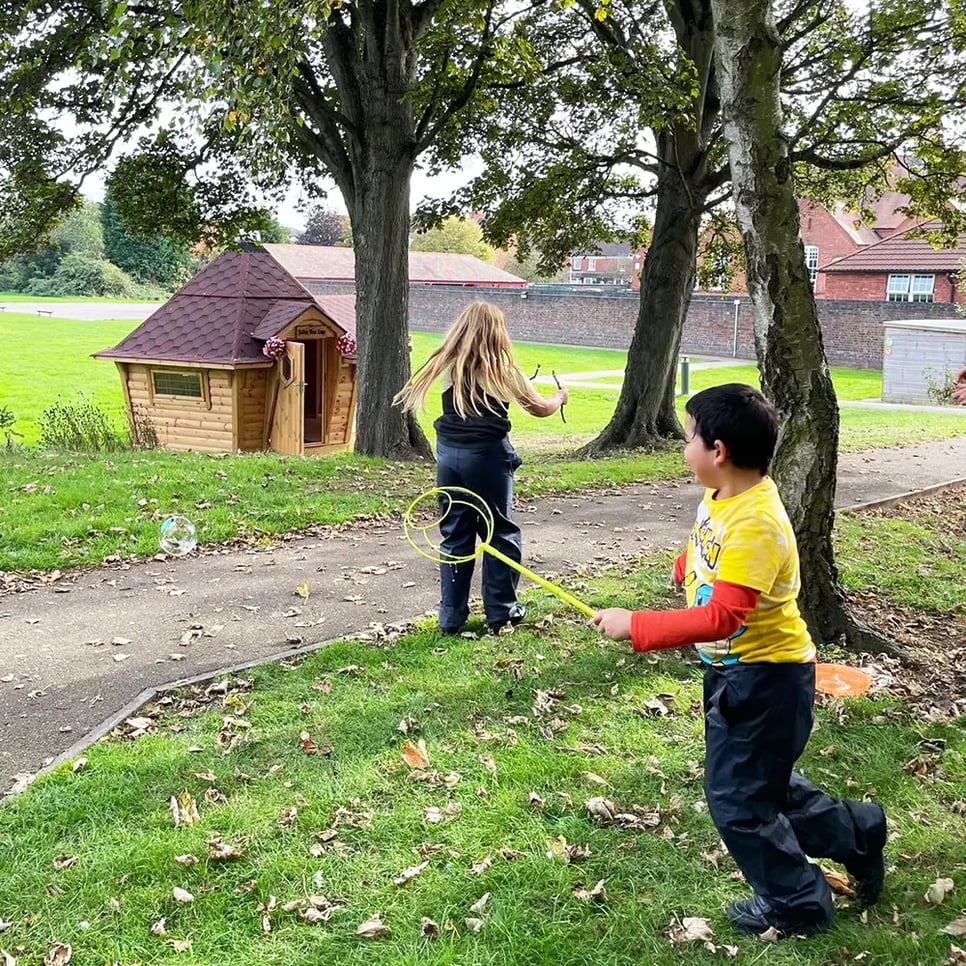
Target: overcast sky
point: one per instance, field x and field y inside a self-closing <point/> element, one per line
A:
<point x="290" y="215"/>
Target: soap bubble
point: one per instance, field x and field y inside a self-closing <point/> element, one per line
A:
<point x="178" y="536"/>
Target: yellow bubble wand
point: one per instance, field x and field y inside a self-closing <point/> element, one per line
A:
<point x="418" y="533"/>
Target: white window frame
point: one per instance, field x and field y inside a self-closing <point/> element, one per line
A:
<point x="575" y="262"/>
<point x="811" y="263"/>
<point x="906" y="287"/>
<point x="918" y="292"/>
<point x="591" y="264"/>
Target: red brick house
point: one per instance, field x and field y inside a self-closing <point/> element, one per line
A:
<point x="614" y="264"/>
<point x="896" y="268"/>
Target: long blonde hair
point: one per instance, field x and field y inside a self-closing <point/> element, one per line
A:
<point x="478" y="351"/>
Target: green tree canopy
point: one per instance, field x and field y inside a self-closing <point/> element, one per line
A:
<point x="324" y="226"/>
<point x="454" y="234"/>
<point x="157" y="260"/>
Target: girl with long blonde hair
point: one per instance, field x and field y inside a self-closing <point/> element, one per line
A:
<point x="473" y="450"/>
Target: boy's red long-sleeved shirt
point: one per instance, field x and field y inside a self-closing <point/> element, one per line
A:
<point x="716" y="620"/>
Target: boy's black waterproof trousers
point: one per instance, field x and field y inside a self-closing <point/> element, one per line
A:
<point x="757" y="721"/>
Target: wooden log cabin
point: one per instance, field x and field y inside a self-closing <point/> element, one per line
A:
<point x="197" y="372"/>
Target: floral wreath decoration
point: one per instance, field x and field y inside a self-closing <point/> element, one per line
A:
<point x="346" y="344"/>
<point x="274" y="347"/>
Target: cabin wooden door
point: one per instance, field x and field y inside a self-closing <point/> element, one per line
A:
<point x="287" y="427"/>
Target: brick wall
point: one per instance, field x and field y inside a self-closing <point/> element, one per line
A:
<point x="852" y="330"/>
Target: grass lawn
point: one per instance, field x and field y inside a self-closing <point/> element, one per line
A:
<point x="297" y="773"/>
<point x="65" y="510"/>
<point x="49" y="359"/>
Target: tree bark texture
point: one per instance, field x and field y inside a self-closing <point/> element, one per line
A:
<point x="370" y="148"/>
<point x="645" y="413"/>
<point x="788" y="339"/>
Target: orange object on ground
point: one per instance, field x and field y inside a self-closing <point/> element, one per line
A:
<point x="841" y="680"/>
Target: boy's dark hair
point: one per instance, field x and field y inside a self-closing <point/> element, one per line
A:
<point x="741" y="418"/>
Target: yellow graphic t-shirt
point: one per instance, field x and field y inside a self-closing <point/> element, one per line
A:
<point x="748" y="540"/>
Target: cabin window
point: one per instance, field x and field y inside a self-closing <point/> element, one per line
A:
<point x="168" y="382"/>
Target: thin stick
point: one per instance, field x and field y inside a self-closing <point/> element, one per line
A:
<point x="542" y="581"/>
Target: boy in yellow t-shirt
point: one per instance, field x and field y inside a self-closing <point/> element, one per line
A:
<point x="740" y="571"/>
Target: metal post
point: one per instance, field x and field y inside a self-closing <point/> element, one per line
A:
<point x="734" y="347"/>
<point x="685" y="375"/>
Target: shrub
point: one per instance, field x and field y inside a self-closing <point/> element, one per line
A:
<point x="143" y="433"/>
<point x="82" y="275"/>
<point x="78" y="426"/>
<point x="7" y="419"/>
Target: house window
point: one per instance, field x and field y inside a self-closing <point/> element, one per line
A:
<point x="910" y="288"/>
<point x="575" y="262"/>
<point x="811" y="263"/>
<point x="591" y="264"/>
<point x="922" y="286"/>
<point x="167" y="382"/>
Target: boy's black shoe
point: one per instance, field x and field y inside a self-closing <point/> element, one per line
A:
<point x="515" y="615"/>
<point x="869" y="874"/>
<point x="755" y="915"/>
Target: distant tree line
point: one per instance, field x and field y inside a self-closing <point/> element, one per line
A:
<point x="92" y="253"/>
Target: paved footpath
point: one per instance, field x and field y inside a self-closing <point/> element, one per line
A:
<point x="75" y="652"/>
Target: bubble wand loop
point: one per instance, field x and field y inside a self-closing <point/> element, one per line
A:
<point x="445" y="497"/>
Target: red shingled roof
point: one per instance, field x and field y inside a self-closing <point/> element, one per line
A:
<point x="321" y="263"/>
<point x="898" y="253"/>
<point x="226" y="312"/>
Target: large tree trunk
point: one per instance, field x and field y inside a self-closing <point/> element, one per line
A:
<point x="788" y="339"/>
<point x="380" y="233"/>
<point x="645" y="412"/>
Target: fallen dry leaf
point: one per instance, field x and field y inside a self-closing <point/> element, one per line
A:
<point x="180" y="945"/>
<point x="79" y="764"/>
<point x="938" y="891"/>
<point x="6" y="959"/>
<point x="475" y="925"/>
<point x="957" y="927"/>
<point x="184" y="809"/>
<point x="489" y="763"/>
<point x="433" y="814"/>
<point x="770" y="935"/>
<point x="372" y="927"/>
<point x="481" y="866"/>
<point x="59" y="954"/>
<point x="302" y="590"/>
<point x="415" y="755"/>
<point x="187" y="859"/>
<point x="223" y="851"/>
<point x="690" y="929"/>
<point x="838" y="882"/>
<point x="428" y="928"/>
<point x="597" y="894"/>
<point x="182" y="895"/>
<point x="64" y="862"/>
<point x="479" y="907"/>
<point x="158" y="928"/>
<point x="409" y="873"/>
<point x="955" y="955"/>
